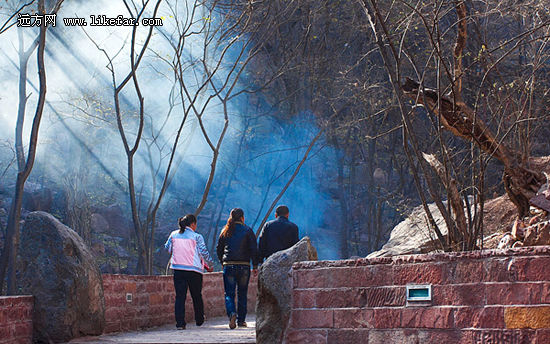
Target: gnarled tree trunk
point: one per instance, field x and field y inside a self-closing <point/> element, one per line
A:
<point x="521" y="183"/>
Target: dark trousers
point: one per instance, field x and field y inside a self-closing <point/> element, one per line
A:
<point x="182" y="280"/>
<point x="236" y="276"/>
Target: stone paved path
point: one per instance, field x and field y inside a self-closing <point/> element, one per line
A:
<point x="213" y="331"/>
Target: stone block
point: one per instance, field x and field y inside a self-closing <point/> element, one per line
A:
<point x="378" y="275"/>
<point x="536" y="317"/>
<point x="386" y="296"/>
<point x="5" y="331"/>
<point x="118" y="287"/>
<point x="354" y="318"/>
<point x="499" y="269"/>
<point x="402" y="336"/>
<point x="495" y="337"/>
<point x="485" y="317"/>
<point x="459" y="295"/>
<point x="306" y="336"/>
<point x="311" y="318"/>
<point x="130" y="287"/>
<point x="531" y="269"/>
<point x="155" y="299"/>
<point x="27" y="311"/>
<point x="433" y="273"/>
<point x="303" y="298"/>
<point x="317" y="278"/>
<point x="513" y="293"/>
<point x="542" y="336"/>
<point x="114" y="301"/>
<point x="466" y="271"/>
<point x="437" y="317"/>
<point x="112" y="314"/>
<point x="112" y="327"/>
<point x="23" y="329"/>
<point x="348" y="336"/>
<point x="441" y="336"/>
<point x="545" y="293"/>
<point x="341" y="298"/>
<point x="387" y="317"/>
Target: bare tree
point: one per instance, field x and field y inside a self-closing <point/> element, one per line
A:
<point x="25" y="164"/>
<point x="446" y="105"/>
<point x="227" y="36"/>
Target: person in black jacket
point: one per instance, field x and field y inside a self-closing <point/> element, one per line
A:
<point x="277" y="235"/>
<point x="236" y="248"/>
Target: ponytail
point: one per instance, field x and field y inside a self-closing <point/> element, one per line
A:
<point x="186" y="221"/>
<point x="236" y="215"/>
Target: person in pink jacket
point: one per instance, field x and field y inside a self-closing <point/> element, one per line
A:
<point x="189" y="259"/>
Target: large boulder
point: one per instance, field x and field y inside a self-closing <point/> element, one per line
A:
<point x="59" y="269"/>
<point x="275" y="290"/>
<point x="413" y="235"/>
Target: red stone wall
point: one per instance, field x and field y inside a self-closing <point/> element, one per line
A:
<point x="16" y="319"/>
<point x="478" y="297"/>
<point x="153" y="300"/>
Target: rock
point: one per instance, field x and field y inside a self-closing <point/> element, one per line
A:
<point x="506" y="241"/>
<point x="538" y="235"/>
<point x="543" y="235"/>
<point x="530" y="236"/>
<point x="518" y="229"/>
<point x="541" y="200"/>
<point x="517" y="244"/>
<point x="60" y="271"/>
<point x="274" y="291"/>
<point x="412" y="235"/>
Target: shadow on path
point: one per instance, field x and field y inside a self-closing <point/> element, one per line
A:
<point x="213" y="331"/>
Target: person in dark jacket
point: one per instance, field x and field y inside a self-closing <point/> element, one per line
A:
<point x="236" y="248"/>
<point x="277" y="235"/>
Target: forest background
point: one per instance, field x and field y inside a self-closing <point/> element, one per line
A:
<point x="249" y="104"/>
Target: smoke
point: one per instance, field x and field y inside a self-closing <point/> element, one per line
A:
<point x="79" y="135"/>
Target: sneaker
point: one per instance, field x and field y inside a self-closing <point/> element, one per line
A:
<point x="180" y="327"/>
<point x="232" y="321"/>
<point x="242" y="324"/>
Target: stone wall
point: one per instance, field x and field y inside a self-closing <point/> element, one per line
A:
<point x="495" y="296"/>
<point x="153" y="300"/>
<point x="16" y="319"/>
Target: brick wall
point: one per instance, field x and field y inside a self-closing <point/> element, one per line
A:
<point x="496" y="296"/>
<point x="153" y="300"/>
<point x="16" y="319"/>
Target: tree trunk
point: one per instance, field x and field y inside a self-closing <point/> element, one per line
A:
<point x="520" y="182"/>
<point x="9" y="254"/>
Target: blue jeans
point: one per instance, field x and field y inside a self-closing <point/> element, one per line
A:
<point x="236" y="276"/>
